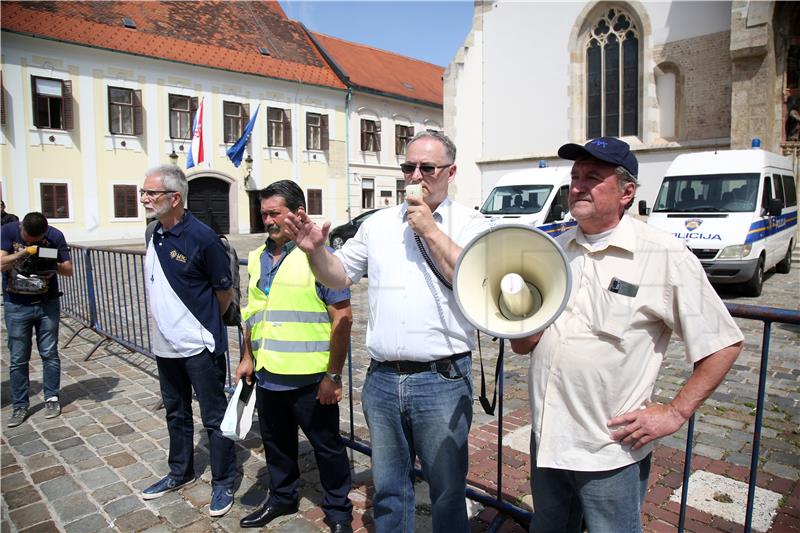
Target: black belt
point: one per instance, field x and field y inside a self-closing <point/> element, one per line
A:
<point x="442" y="365"/>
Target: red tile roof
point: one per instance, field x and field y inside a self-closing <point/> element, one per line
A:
<point x="385" y="72"/>
<point x="211" y="33"/>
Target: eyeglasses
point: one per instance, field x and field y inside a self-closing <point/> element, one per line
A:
<point x="153" y="194"/>
<point x="424" y="169"/>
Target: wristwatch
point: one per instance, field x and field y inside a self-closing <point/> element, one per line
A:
<point x="336" y="378"/>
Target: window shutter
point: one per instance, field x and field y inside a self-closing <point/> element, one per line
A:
<point x="287" y="127"/>
<point x="245" y="117"/>
<point x="108" y="108"/>
<point x="308" y="133"/>
<point x="270" y="136"/>
<point x="378" y="135"/>
<point x="363" y="135"/>
<point x="69" y="121"/>
<point x="325" y="140"/>
<point x="119" y="202"/>
<point x="410" y="131"/>
<point x="137" y="112"/>
<point x="398" y="144"/>
<point x="193" y="104"/>
<point x="35" y="100"/>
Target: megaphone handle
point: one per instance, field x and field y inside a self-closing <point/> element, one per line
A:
<point x="431" y="264"/>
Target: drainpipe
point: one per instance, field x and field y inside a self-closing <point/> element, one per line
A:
<point x="347" y="99"/>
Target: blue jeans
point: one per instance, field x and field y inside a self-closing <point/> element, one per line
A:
<point x="608" y="500"/>
<point x="205" y="373"/>
<point x="427" y="415"/>
<point x="21" y="320"/>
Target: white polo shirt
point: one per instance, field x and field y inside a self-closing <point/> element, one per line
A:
<point x="412" y="316"/>
<point x="601" y="357"/>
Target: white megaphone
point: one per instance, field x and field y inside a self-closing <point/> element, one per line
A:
<point x="512" y="281"/>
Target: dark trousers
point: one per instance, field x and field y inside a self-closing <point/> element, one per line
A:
<point x="205" y="373"/>
<point x="279" y="414"/>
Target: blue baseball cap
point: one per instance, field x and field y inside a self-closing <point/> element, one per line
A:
<point x="607" y="149"/>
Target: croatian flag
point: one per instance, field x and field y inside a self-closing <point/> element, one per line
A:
<point x="196" y="154"/>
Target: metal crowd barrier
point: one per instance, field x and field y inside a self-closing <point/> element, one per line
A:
<point x="107" y="295"/>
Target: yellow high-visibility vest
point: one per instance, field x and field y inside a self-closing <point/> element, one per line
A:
<point x="290" y="330"/>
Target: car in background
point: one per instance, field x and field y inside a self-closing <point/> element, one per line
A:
<point x="340" y="234"/>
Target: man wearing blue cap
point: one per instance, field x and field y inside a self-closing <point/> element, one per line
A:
<point x="593" y="370"/>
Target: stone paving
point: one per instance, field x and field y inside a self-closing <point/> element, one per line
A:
<point x="84" y="471"/>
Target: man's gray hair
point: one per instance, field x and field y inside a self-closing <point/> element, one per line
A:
<point x="449" y="146"/>
<point x="173" y="178"/>
<point x="623" y="177"/>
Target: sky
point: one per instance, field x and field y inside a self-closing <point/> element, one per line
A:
<point x="428" y="30"/>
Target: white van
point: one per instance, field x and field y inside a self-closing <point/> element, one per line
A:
<point x="535" y="196"/>
<point x="736" y="210"/>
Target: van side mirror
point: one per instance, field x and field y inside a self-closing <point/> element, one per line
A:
<point x="477" y="208"/>
<point x="643" y="210"/>
<point x="556" y="213"/>
<point x="774" y="207"/>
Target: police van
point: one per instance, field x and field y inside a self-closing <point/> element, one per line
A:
<point x="535" y="197"/>
<point x="736" y="210"/>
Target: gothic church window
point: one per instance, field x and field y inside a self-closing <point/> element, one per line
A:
<point x="612" y="76"/>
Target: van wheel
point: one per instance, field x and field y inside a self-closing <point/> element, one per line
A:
<point x="754" y="286"/>
<point x="337" y="242"/>
<point x="785" y="264"/>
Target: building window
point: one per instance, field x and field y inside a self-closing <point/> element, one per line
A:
<point x="667" y="94"/>
<point x="367" y="193"/>
<point x="181" y="115"/>
<point x="314" y="201"/>
<point x="55" y="200"/>
<point x="317" y="131"/>
<point x="612" y="82"/>
<point x="370" y="135"/>
<point x="124" y="111"/>
<point x="52" y="103"/>
<point x="235" y="116"/>
<point x="401" y="191"/>
<point x="279" y="132"/>
<point x="402" y="135"/>
<point x="126" y="201"/>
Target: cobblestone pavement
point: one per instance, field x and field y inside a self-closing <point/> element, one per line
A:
<point x="84" y="470"/>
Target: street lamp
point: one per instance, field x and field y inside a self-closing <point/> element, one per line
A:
<point x="173" y="157"/>
<point x="248" y="166"/>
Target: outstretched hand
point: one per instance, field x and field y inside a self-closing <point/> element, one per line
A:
<point x="647" y="424"/>
<point x="304" y="232"/>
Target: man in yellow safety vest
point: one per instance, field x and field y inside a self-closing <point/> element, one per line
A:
<point x="296" y="338"/>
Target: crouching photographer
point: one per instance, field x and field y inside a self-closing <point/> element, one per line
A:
<point x="31" y="254"/>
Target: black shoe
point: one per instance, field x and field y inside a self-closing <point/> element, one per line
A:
<point x="341" y="527"/>
<point x="267" y="514"/>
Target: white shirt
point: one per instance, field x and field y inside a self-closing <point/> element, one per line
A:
<point x="177" y="332"/>
<point x="412" y="316"/>
<point x="601" y="357"/>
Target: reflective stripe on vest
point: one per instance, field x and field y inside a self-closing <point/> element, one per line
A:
<point x="289" y="329"/>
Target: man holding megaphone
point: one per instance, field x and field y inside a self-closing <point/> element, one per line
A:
<point x="417" y="396"/>
<point x="592" y="371"/>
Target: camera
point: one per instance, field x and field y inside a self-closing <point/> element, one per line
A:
<point x="33" y="274"/>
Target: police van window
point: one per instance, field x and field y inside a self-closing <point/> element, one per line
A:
<point x="779" y="188"/>
<point x="789" y="191"/>
<point x="730" y="193"/>
<point x="767" y="194"/>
